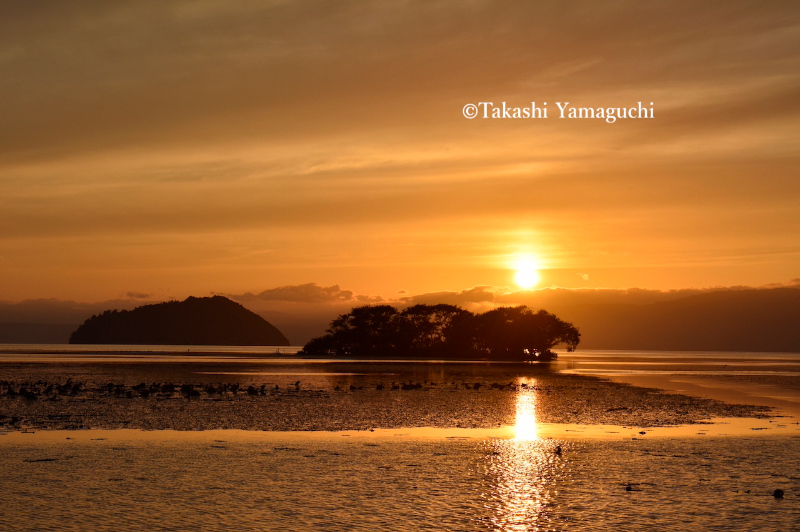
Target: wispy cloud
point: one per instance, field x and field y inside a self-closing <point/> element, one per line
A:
<point x="153" y="141"/>
<point x="306" y="293"/>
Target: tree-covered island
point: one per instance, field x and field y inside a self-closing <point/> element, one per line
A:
<point x="196" y="321"/>
<point x="444" y="331"/>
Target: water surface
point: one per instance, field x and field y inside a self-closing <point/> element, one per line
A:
<point x="344" y="481"/>
<point x="562" y="452"/>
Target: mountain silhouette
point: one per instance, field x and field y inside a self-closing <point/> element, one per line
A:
<point x="731" y="320"/>
<point x="196" y="321"/>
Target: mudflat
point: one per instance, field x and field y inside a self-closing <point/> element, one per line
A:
<point x="292" y="394"/>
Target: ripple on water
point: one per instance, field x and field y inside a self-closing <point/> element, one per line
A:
<point x="329" y="482"/>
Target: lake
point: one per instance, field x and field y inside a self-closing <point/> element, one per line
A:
<point x="563" y="452"/>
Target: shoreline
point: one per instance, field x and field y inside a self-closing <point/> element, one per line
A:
<point x="154" y="392"/>
<point x="715" y="427"/>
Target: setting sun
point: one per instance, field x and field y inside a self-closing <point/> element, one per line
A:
<point x="527" y="275"/>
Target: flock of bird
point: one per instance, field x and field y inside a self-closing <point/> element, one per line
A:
<point x="33" y="391"/>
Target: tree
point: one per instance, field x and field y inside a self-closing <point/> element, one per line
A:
<point x="447" y="331"/>
<point x="435" y="330"/>
<point x="512" y="333"/>
<point x="364" y="331"/>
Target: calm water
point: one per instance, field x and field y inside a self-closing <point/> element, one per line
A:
<point x="529" y="478"/>
<point x="334" y="481"/>
<point x="713" y="363"/>
<point x="581" y="361"/>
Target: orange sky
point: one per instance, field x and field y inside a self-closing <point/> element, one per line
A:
<point x="194" y="147"/>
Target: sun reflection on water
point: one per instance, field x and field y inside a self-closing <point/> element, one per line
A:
<point x="523" y="471"/>
<point x="525" y="426"/>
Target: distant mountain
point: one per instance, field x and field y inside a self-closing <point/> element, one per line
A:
<point x="733" y="319"/>
<point x="49" y="321"/>
<point x="196" y="321"/>
<point x="35" y="333"/>
<point x="730" y="320"/>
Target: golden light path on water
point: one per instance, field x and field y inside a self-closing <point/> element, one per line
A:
<point x="523" y="470"/>
<point x="525" y="426"/>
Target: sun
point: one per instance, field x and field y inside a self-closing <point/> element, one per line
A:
<point x="527" y="273"/>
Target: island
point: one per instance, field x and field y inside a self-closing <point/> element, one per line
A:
<point x="195" y="321"/>
<point x="444" y="331"/>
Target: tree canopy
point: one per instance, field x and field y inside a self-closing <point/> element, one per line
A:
<point x="444" y="331"/>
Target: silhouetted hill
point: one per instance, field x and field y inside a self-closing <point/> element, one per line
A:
<point x="731" y="320"/>
<point x="195" y="321"/>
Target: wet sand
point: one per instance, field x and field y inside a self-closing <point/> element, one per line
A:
<point x="318" y="395"/>
<point x="779" y="393"/>
<point x="766" y="379"/>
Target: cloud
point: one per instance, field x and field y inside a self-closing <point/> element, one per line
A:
<point x="546" y="297"/>
<point x="477" y="294"/>
<point x="793" y="283"/>
<point x="136" y="295"/>
<point x="369" y="299"/>
<point x="231" y="68"/>
<point x="477" y="298"/>
<point x="484" y="296"/>
<point x="306" y="293"/>
<point x="334" y="136"/>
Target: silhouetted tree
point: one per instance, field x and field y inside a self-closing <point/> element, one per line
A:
<point x="435" y="330"/>
<point x="365" y="331"/>
<point x="517" y="333"/>
<point x="446" y="331"/>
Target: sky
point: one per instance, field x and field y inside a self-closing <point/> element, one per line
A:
<point x="154" y="150"/>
